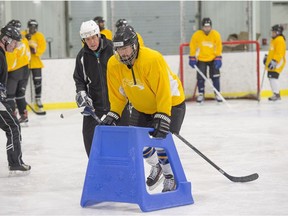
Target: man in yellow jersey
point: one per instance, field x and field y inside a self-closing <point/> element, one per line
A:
<point x="275" y="61"/>
<point x="208" y="44"/>
<point x="121" y="22"/>
<point x="141" y="75"/>
<point x="18" y="75"/>
<point x="101" y="23"/>
<point x="37" y="44"/>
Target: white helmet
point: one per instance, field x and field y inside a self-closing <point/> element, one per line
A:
<point x="88" y="29"/>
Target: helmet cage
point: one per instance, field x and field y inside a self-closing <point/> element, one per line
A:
<point x="126" y="36"/>
<point x="127" y="60"/>
<point x="278" y="29"/>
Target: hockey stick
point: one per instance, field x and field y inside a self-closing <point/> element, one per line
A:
<point x="261" y="87"/>
<point x="207" y="80"/>
<point x="89" y="111"/>
<point x="36" y="112"/>
<point x="241" y="179"/>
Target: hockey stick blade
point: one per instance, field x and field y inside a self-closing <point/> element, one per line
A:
<point x="36" y="112"/>
<point x="241" y="179"/>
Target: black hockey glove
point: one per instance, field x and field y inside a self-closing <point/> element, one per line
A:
<point x="83" y="100"/>
<point x="32" y="50"/>
<point x="111" y="118"/>
<point x="2" y="92"/>
<point x="272" y="65"/>
<point x="28" y="36"/>
<point x="161" y="125"/>
<point x="265" y="59"/>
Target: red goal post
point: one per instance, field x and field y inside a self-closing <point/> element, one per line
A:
<point x="240" y="71"/>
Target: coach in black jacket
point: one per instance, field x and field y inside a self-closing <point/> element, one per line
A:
<point x="90" y="77"/>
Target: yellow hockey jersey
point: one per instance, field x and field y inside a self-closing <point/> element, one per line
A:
<point x="150" y="85"/>
<point x="206" y="47"/>
<point x="38" y="42"/>
<point x="107" y="33"/>
<point x="19" y="57"/>
<point x="277" y="51"/>
<point x="140" y="39"/>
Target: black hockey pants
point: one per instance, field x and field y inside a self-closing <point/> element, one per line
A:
<point x="10" y="125"/>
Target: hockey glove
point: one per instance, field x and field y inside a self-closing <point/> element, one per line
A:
<point x="32" y="50"/>
<point x="161" y="125"/>
<point x="218" y="62"/>
<point x="265" y="59"/>
<point x="272" y="65"/>
<point x="192" y="61"/>
<point x="2" y="92"/>
<point x="83" y="100"/>
<point x="111" y="118"/>
<point x="28" y="36"/>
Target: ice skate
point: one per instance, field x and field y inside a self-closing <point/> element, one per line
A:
<point x="275" y="97"/>
<point x="160" y="181"/>
<point x="155" y="173"/>
<point x="19" y="170"/>
<point x="218" y="99"/>
<point x="200" y="99"/>
<point x="39" y="103"/>
<point x="169" y="183"/>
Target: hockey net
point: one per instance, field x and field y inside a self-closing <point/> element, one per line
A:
<point x="239" y="74"/>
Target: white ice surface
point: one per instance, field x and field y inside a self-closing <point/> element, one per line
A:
<point x="244" y="138"/>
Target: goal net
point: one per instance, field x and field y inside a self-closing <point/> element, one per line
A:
<point x="239" y="74"/>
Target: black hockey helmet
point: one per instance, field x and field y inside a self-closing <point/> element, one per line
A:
<point x="121" y="22"/>
<point x="278" y="29"/>
<point x="16" y="24"/>
<point x="32" y="23"/>
<point x="125" y="36"/>
<point x="11" y="32"/>
<point x="99" y="19"/>
<point x="206" y="21"/>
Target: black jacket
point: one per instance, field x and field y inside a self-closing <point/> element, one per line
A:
<point x="90" y="73"/>
<point x="3" y="68"/>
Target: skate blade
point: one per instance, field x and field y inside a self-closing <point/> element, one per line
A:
<point x="161" y="180"/>
<point x="24" y="124"/>
<point x="18" y="173"/>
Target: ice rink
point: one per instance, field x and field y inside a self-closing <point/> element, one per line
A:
<point x="242" y="138"/>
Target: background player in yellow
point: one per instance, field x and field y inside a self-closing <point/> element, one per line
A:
<point x="275" y="61"/>
<point x="37" y="44"/>
<point x="18" y="75"/>
<point x="141" y="76"/>
<point x="207" y="43"/>
<point x="101" y="23"/>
